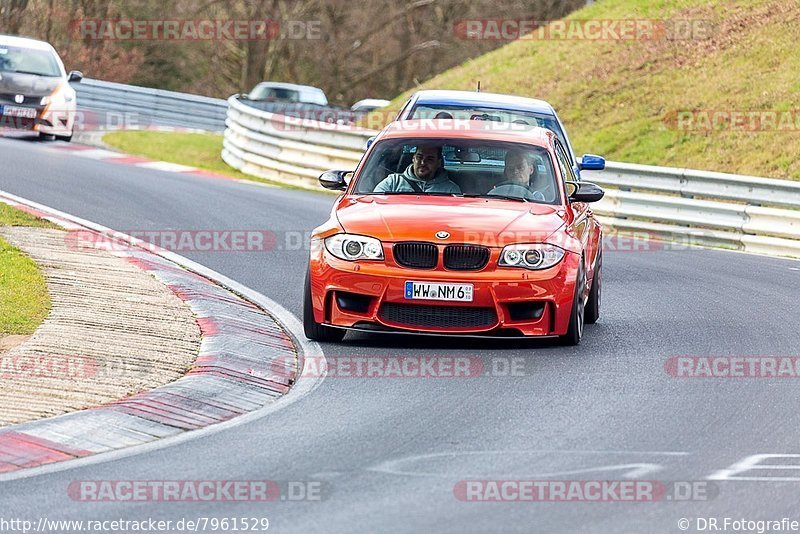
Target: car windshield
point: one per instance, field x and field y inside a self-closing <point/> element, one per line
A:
<point x="265" y="92"/>
<point x="28" y="61"/>
<point x="438" y="111"/>
<point x="462" y="167"/>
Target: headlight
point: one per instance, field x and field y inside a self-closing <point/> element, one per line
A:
<point x="59" y="96"/>
<point x="533" y="256"/>
<point x="354" y="247"/>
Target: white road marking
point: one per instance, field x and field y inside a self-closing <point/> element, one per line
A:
<point x="631" y="470"/>
<point x="751" y="463"/>
<point x="96" y="153"/>
<point x="310" y="351"/>
<point x="165" y="166"/>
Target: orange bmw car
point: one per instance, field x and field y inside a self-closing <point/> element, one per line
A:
<point x="457" y="228"/>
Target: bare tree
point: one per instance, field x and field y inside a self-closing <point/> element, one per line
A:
<point x="377" y="48"/>
<point x="11" y="13"/>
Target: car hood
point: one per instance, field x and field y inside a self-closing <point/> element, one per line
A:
<point x="28" y="85"/>
<point x="491" y="222"/>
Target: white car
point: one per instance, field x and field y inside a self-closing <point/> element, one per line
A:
<point x="369" y="104"/>
<point x="35" y="93"/>
<point x="288" y="93"/>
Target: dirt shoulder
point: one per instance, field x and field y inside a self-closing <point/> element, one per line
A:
<point x="113" y="330"/>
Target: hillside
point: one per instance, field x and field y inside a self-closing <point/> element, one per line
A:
<point x="631" y="100"/>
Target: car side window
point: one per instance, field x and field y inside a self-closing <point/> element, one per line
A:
<point x="563" y="161"/>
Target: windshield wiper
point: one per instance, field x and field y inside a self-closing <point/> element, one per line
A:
<point x="31" y="72"/>
<point x="502" y="197"/>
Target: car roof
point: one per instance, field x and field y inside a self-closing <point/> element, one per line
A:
<point x="467" y="129"/>
<point x="293" y="86"/>
<point x="495" y="100"/>
<point x="372" y="102"/>
<point x="24" y="42"/>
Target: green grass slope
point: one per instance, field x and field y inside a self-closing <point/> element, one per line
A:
<point x="24" y="301"/>
<point x="620" y="98"/>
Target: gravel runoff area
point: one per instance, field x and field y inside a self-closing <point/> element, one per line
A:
<point x="113" y="330"/>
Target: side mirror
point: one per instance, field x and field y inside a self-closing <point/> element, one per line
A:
<point x="334" y="180"/>
<point x="369" y="142"/>
<point x="590" y="162"/>
<point x="584" y="192"/>
<point x="244" y="96"/>
<point x="75" y="76"/>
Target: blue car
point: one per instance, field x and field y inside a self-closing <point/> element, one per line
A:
<point x="437" y="104"/>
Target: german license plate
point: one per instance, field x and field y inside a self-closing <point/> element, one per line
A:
<point x="15" y="111"/>
<point x="438" y="291"/>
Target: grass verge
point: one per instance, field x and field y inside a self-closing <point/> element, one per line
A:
<point x="201" y="150"/>
<point x="24" y="301"/>
<point x="622" y="98"/>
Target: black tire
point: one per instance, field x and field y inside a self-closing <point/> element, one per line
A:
<point x="65" y="138"/>
<point x="46" y="137"/>
<point x="312" y="329"/>
<point x="595" y="295"/>
<point x="576" y="318"/>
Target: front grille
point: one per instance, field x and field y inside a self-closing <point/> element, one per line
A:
<point x="416" y="315"/>
<point x="465" y="257"/>
<point x="416" y="255"/>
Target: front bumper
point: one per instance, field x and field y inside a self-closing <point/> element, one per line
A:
<point x="48" y="120"/>
<point x="506" y="302"/>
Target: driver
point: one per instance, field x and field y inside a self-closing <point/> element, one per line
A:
<point x="518" y="174"/>
<point x="425" y="175"/>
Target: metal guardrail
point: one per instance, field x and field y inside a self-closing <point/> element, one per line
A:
<point x="745" y="213"/>
<point x="288" y="149"/>
<point x="117" y="105"/>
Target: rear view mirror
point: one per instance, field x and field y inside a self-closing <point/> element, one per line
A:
<point x="334" y="180"/>
<point x="464" y="155"/>
<point x="75" y="76"/>
<point x="590" y="162"/>
<point x="485" y="117"/>
<point x="584" y="192"/>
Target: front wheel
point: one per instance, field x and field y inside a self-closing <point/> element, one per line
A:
<point x="593" y="304"/>
<point x="576" y="319"/>
<point x="312" y="329"/>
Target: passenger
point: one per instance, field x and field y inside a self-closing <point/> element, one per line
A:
<point x="426" y="174"/>
<point x="517" y="175"/>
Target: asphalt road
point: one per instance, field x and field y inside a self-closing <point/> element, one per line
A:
<point x="389" y="451"/>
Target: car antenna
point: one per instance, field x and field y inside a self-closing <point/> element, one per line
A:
<point x="478" y="90"/>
